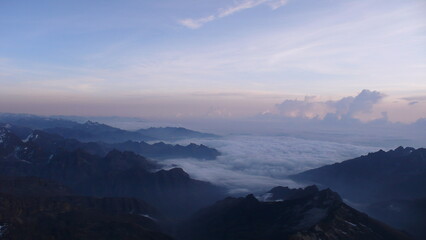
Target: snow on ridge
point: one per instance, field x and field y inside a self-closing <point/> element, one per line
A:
<point x="2" y="135"/>
<point x="2" y="229"/>
<point x="352" y="224"/>
<point x="30" y="137"/>
<point x="147" y="216"/>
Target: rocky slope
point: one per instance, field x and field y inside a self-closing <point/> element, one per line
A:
<point x="317" y="215"/>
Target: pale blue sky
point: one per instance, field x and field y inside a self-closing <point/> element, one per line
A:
<point x="199" y="57"/>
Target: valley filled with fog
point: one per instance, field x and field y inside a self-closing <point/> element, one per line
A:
<point x="252" y="163"/>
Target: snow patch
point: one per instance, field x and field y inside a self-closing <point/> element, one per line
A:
<point x="2" y="229"/>
<point x="3" y="132"/>
<point x="25" y="161"/>
<point x="147" y="216"/>
<point x="352" y="224"/>
<point x="30" y="137"/>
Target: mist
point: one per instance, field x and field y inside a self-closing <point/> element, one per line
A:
<point x="252" y="163"/>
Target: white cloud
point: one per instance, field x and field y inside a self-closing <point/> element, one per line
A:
<point x="346" y="107"/>
<point x="196" y="23"/>
<point x="239" y="7"/>
<point x="224" y="12"/>
<point x="258" y="163"/>
<point x="277" y="4"/>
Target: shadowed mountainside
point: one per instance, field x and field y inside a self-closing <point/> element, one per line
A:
<point x="396" y="174"/>
<point x="118" y="174"/>
<point x="314" y="215"/>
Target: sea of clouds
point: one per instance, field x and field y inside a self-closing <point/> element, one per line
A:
<point x="257" y="163"/>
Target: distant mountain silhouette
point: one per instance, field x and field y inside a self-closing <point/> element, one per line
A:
<point x="379" y="176"/>
<point x="314" y="215"/>
<point x="53" y="142"/>
<point x="93" y="131"/>
<point x="174" y="133"/>
<point x="35" y="121"/>
<point x="162" y="150"/>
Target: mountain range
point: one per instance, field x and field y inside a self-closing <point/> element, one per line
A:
<point x="157" y="150"/>
<point x="375" y="177"/>
<point x="56" y="184"/>
<point x="388" y="185"/>
<point x="93" y="131"/>
<point x="117" y="174"/>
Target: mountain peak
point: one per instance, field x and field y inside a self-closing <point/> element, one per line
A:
<point x="284" y="193"/>
<point x="92" y="123"/>
<point x="178" y="172"/>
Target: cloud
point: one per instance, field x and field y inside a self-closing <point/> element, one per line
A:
<point x="258" y="163"/>
<point x="345" y="107"/>
<point x="362" y="103"/>
<point x="196" y="23"/>
<point x="277" y="4"/>
<point x="221" y="13"/>
<point x="415" y="99"/>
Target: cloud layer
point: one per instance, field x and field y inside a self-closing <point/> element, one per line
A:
<point x="257" y="163"/>
<point x="224" y="12"/>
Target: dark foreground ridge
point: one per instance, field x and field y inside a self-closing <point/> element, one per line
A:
<point x="47" y="214"/>
<point x="312" y="216"/>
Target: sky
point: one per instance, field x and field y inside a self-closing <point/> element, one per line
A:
<point x="214" y="58"/>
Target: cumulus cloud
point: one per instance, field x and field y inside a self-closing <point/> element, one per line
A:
<point x="346" y="107"/>
<point x="258" y="163"/>
<point x="224" y="12"/>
